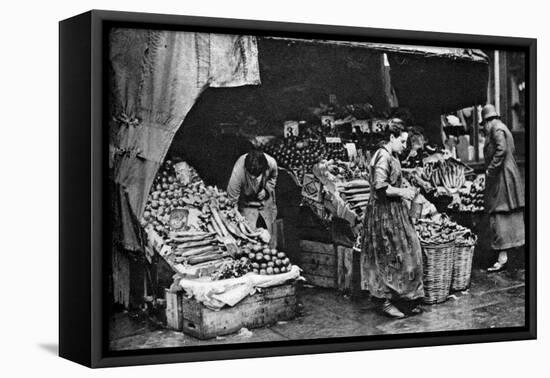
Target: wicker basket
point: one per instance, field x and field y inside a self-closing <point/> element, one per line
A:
<point x="438" y="267"/>
<point x="462" y="265"/>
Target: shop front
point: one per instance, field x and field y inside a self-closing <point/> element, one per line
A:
<point x="320" y="109"/>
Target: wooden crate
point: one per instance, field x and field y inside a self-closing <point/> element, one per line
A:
<point x="318" y="262"/>
<point x="261" y="309"/>
<point x="329" y="266"/>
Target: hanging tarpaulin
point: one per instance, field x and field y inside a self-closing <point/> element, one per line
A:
<point x="441" y="82"/>
<point x="155" y="79"/>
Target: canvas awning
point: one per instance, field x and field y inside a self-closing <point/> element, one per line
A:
<point x="155" y="79"/>
<point x="462" y="54"/>
<point x="444" y="78"/>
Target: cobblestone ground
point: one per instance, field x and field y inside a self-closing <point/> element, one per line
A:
<point x="493" y="301"/>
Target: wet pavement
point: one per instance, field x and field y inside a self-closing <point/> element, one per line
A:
<point x="493" y="301"/>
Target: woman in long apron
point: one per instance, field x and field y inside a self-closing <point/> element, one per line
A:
<point x="391" y="251"/>
<point x="504" y="192"/>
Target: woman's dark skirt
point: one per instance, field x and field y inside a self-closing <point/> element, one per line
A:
<point x="507" y="229"/>
<point x="391" y="252"/>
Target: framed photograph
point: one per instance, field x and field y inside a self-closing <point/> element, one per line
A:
<point x="183" y="239"/>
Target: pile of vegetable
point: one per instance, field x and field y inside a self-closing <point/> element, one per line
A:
<point x="346" y="171"/>
<point x="355" y="193"/>
<point x="439" y="231"/>
<point x="300" y="154"/>
<point x="471" y="197"/>
<point x="415" y="178"/>
<point x="447" y="173"/>
<point x="264" y="260"/>
<point x="196" y="247"/>
<point x="466" y="237"/>
<point x="215" y="233"/>
<point x="168" y="193"/>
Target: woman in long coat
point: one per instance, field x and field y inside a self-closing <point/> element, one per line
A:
<point x="504" y="192"/>
<point x="391" y="252"/>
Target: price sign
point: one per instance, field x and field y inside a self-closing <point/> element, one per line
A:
<point x="361" y="124"/>
<point x="291" y="128"/>
<point x="379" y="125"/>
<point x="352" y="150"/>
<point x="327" y="121"/>
<point x="333" y="140"/>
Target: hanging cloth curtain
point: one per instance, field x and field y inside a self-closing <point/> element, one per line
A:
<point x="155" y="79"/>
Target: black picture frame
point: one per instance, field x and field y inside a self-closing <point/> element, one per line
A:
<point x="84" y="226"/>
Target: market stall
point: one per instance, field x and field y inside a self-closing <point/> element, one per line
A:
<point x="308" y="117"/>
<point x="319" y="110"/>
<point x="216" y="259"/>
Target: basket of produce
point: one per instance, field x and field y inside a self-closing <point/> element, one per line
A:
<point x="462" y="261"/>
<point x="438" y="243"/>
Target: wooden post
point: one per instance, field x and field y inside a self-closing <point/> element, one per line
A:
<point x="344" y="268"/>
<point x="174" y="318"/>
<point x="505" y="110"/>
<point x="476" y="135"/>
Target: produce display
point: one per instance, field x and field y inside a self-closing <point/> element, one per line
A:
<point x="214" y="234"/>
<point x="356" y="194"/>
<point x="440" y="231"/>
<point x="445" y="172"/>
<point x="415" y="177"/>
<point x="346" y="171"/>
<point x="471" y="197"/>
<point x="467" y="237"/>
<point x="337" y="171"/>
<point x="264" y="260"/>
<point x="300" y="154"/>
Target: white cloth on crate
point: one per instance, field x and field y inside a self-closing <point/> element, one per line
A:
<point x="217" y="294"/>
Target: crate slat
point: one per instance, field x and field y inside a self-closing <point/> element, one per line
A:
<point x="321" y="281"/>
<point x="316" y="247"/>
<point x="344" y="268"/>
<point x="263" y="308"/>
